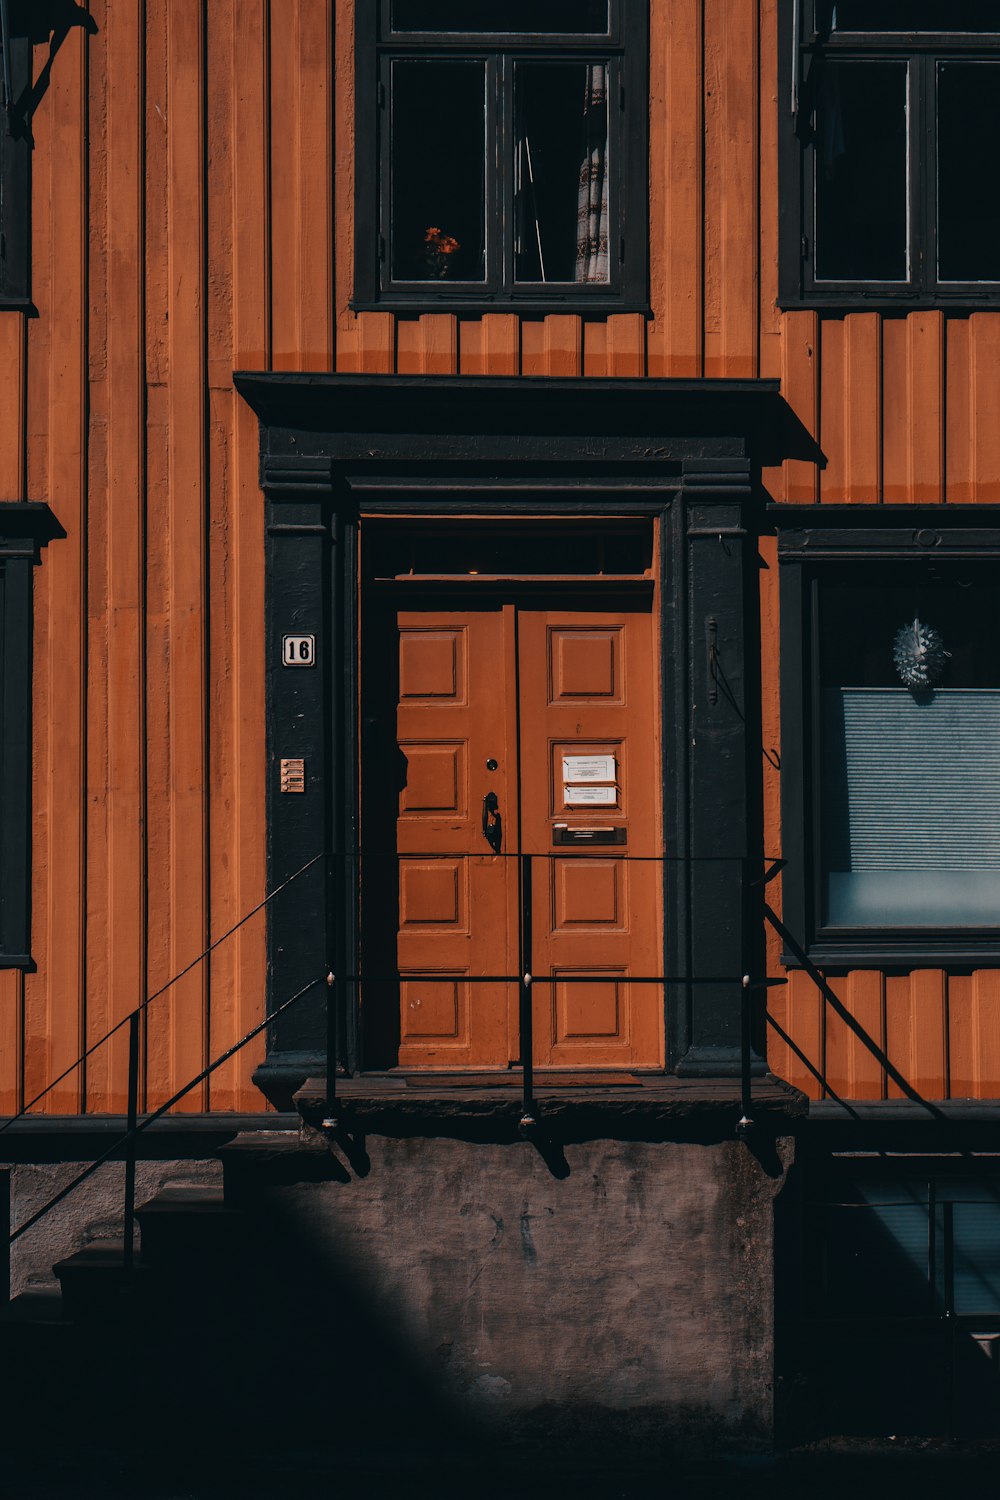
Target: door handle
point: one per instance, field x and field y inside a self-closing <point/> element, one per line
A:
<point x="492" y="822"/>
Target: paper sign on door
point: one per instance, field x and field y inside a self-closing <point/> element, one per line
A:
<point x="590" y="796"/>
<point x="576" y="768"/>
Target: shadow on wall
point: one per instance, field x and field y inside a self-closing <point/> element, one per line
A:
<point x="239" y="1332"/>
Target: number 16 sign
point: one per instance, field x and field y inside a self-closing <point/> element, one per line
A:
<point x="298" y="651"/>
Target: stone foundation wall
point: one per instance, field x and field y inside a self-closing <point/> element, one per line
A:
<point x="634" y="1289"/>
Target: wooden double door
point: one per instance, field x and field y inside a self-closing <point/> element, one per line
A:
<point x="502" y="728"/>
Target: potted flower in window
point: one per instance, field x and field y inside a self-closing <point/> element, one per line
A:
<point x="439" y="251"/>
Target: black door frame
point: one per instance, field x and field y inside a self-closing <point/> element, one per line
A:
<point x="688" y="452"/>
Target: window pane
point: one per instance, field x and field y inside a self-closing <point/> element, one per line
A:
<point x="545" y="16"/>
<point x="861" y="159"/>
<point x="910" y="815"/>
<point x="561" y="172"/>
<point x="877" y="1250"/>
<point x="968" y="101"/>
<point x="438" y="157"/>
<point x="916" y="15"/>
<point x="977" y="1258"/>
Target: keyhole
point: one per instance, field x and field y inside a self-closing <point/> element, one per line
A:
<point x="491" y="764"/>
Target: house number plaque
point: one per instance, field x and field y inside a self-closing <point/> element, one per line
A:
<point x="298" y="650"/>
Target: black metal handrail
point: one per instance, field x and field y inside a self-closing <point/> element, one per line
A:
<point x="132" y="1017"/>
<point x="525" y="979"/>
<point x="127" y="1141"/>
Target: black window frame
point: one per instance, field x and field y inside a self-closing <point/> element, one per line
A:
<point x="811" y="540"/>
<point x="805" y="40"/>
<point x="625" y="47"/>
<point x="25" y="527"/>
<point x="15" y="172"/>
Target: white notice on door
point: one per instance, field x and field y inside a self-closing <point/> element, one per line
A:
<point x="589" y="796"/>
<point x="588" y="768"/>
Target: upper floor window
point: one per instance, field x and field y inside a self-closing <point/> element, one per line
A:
<point x="15" y="157"/>
<point x="501" y="152"/>
<point x="894" y="106"/>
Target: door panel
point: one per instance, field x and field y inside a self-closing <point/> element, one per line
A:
<point x="565" y="703"/>
<point x="456" y="908"/>
<point x="588" y="694"/>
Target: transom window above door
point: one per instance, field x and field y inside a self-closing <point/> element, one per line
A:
<point x="501" y="153"/>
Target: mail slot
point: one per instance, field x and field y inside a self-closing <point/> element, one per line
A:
<point x="576" y="833"/>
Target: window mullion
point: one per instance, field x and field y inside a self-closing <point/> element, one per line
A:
<point x="504" y="224"/>
<point x="923" y="143"/>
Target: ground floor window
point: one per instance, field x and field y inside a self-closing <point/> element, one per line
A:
<point x="891" y="739"/>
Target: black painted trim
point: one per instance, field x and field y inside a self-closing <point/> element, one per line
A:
<point x="809" y="538"/>
<point x="626" y="47"/>
<point x="797" y="287"/>
<point x="15" y="177"/>
<point x="685" y="450"/>
<point x="25" y="527"/>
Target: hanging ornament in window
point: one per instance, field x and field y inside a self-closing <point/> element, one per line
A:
<point x="919" y="654"/>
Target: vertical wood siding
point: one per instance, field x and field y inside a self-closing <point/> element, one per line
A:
<point x="193" y="182"/>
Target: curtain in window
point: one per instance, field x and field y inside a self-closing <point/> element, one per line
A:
<point x="592" y="261"/>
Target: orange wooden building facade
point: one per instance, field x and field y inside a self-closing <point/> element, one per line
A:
<point x="191" y="204"/>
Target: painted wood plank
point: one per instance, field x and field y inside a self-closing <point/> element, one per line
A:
<point x="552" y="345"/>
<point x="832" y="411"/>
<point x="958" y="412"/>
<point x="367" y="345"/>
<point x="595" y="347"/>
<point x="770" y="109"/>
<point x="12" y="415"/>
<point x="676" y="189"/>
<point x="302" y="186"/>
<point x="732" y="242"/>
<point x="800" y="388"/>
<point x="562" y="345"/>
<point x="925" y="385"/>
<point x="853" y="1070"/>
<point x="984" y="341"/>
<point x="235" y="50"/>
<point x="802" y="1007"/>
<point x="986" y="1033"/>
<point x="915" y="1033"/>
<point x="427" y="345"/>
<point x="178" y="916"/>
<point x="115" y="687"/>
<point x="863" y="407"/>
<point x="489" y="345"/>
<point x="962" y="1074"/>
<point x="626" y="347"/>
<point x="343" y="183"/>
<point x="895" y="412"/>
<point x="55" y="441"/>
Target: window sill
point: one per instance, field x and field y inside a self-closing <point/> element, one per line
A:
<point x="587" y="1106"/>
<point x="524" y="307"/>
<point x="910" y="955"/>
<point x="886" y="302"/>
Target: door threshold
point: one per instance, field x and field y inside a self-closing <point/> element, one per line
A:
<point x="546" y="1078"/>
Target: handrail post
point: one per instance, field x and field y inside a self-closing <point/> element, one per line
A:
<point x="746" y="1096"/>
<point x="128" y="1232"/>
<point x="529" y="1116"/>
<point x="332" y="1046"/>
